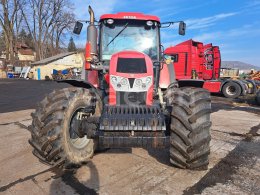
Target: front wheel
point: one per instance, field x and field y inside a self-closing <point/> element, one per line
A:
<point x="53" y="131"/>
<point x="189" y="127"/>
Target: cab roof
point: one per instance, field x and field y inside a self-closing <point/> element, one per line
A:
<point x="130" y="15"/>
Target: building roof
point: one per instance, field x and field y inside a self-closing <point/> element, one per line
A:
<point x="26" y="52"/>
<point x="52" y="59"/>
<point x="21" y="45"/>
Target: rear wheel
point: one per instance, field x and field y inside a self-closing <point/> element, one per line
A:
<point x="257" y="98"/>
<point x="231" y="90"/>
<point x="53" y="130"/>
<point x="190" y="127"/>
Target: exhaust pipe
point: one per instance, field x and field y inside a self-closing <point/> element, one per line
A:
<point x="92" y="32"/>
<point x="92" y="16"/>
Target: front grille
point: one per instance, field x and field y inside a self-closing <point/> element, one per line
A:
<point x="131" y="98"/>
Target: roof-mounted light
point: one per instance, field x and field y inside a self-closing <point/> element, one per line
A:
<point x="149" y="23"/>
<point x="110" y="21"/>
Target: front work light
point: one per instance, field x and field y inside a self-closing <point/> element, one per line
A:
<point x="149" y="23"/>
<point x="110" y="21"/>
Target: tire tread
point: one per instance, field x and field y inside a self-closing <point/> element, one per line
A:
<point x="189" y="150"/>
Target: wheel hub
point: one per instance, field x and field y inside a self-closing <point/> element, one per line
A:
<point x="231" y="90"/>
<point x="76" y="139"/>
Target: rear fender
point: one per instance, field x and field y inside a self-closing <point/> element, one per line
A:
<point x="78" y="83"/>
<point x="84" y="84"/>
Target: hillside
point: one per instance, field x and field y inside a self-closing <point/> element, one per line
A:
<point x="239" y="65"/>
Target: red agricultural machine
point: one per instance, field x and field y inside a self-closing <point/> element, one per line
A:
<point x="126" y="99"/>
<point x="194" y="61"/>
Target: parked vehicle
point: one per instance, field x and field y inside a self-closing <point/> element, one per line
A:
<point x="195" y="61"/>
<point x="121" y="103"/>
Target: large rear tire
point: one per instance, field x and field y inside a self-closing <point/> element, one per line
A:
<point x="190" y="127"/>
<point x="52" y="135"/>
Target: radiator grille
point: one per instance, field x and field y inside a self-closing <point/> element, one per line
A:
<point x="131" y="98"/>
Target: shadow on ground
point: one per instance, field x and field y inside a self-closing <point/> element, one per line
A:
<point x="92" y="184"/>
<point x="245" y="154"/>
<point x="69" y="178"/>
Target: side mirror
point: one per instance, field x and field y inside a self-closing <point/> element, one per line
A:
<point x="77" y="28"/>
<point x="182" y="28"/>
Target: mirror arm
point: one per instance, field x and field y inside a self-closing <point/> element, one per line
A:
<point x="166" y="26"/>
<point x="87" y="21"/>
<point x="169" y="24"/>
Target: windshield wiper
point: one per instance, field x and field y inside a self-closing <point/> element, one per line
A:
<point x="118" y="34"/>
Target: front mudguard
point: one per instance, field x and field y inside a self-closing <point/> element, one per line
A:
<point x="78" y="83"/>
<point x="100" y="95"/>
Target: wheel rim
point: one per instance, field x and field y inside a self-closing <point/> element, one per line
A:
<point x="231" y="90"/>
<point x="75" y="140"/>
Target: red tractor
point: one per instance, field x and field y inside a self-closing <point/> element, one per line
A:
<point x="125" y="100"/>
<point x="195" y="61"/>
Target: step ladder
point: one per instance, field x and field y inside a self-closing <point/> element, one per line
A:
<point x="25" y="71"/>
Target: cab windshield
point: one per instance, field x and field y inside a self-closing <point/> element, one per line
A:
<point x="129" y="35"/>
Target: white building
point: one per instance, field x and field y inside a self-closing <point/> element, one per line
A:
<point x="45" y="67"/>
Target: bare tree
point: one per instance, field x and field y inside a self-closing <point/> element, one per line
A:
<point x="45" y="20"/>
<point x="63" y="24"/>
<point x="10" y="22"/>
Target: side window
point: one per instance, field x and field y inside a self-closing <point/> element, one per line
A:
<point x="175" y="57"/>
<point x="171" y="58"/>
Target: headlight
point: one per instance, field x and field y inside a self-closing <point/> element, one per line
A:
<point x="148" y="80"/>
<point x="138" y="82"/>
<point x="124" y="81"/>
<point x="113" y="79"/>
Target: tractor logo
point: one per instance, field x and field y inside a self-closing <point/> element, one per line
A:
<point x="129" y="17"/>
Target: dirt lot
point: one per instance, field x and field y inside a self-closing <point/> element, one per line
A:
<point x="234" y="160"/>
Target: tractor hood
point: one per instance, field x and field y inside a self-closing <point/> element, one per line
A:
<point x="131" y="72"/>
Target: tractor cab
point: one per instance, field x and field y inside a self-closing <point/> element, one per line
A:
<point x="122" y="32"/>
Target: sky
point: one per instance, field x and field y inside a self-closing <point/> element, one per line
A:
<point x="233" y="25"/>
